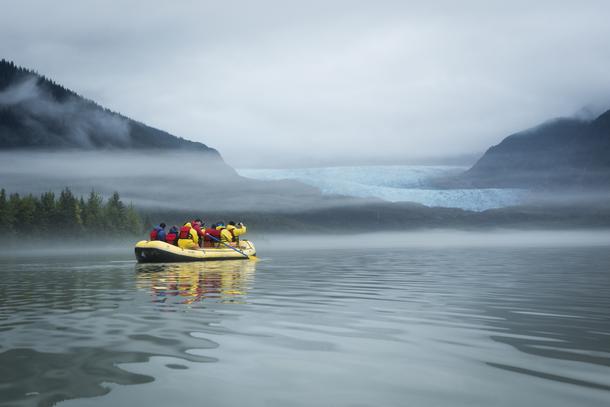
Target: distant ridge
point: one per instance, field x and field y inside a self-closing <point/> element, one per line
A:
<point x="37" y="113"/>
<point x="564" y="152"/>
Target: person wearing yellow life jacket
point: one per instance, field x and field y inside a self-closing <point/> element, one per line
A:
<point x="225" y="235"/>
<point x="187" y="237"/>
<point x="236" y="230"/>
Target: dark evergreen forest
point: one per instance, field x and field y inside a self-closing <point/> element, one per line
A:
<point x="67" y="215"/>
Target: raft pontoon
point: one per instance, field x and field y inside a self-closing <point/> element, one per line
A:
<point x="156" y="251"/>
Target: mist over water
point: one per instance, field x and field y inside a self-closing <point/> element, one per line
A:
<point x="298" y="241"/>
<point x="438" y="239"/>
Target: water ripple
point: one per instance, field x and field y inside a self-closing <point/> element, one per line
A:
<point x="418" y="327"/>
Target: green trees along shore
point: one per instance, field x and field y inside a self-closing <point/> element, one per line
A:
<point x="67" y="215"/>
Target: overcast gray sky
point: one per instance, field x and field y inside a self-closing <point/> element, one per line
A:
<point x="314" y="82"/>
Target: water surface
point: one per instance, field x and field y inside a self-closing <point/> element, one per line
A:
<point x="393" y="327"/>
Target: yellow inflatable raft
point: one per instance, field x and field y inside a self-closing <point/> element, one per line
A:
<point x="156" y="251"/>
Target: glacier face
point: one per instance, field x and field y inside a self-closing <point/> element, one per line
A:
<point x="396" y="183"/>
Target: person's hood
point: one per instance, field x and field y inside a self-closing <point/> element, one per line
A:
<point x="188" y="224"/>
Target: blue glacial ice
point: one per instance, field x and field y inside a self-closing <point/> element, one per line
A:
<point x="398" y="183"/>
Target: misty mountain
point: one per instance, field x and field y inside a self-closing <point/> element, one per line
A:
<point x="565" y="152"/>
<point x="37" y="113"/>
<point x="50" y="137"/>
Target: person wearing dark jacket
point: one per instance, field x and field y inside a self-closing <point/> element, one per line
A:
<point x="172" y="235"/>
<point x="158" y="232"/>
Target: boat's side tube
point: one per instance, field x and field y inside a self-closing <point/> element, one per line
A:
<point x="229" y="246"/>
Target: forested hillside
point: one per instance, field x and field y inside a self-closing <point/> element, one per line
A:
<point x="562" y="153"/>
<point x="37" y="113"/>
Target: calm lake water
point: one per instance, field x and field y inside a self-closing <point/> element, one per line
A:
<point x="397" y="327"/>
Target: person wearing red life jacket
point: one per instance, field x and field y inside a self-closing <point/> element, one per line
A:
<point x="212" y="233"/>
<point x="158" y="232"/>
<point x="172" y="235"/>
<point x="187" y="237"/>
<point x="199" y="227"/>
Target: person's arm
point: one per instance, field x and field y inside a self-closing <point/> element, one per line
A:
<point x="240" y="229"/>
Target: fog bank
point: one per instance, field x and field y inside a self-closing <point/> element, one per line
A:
<point x="436" y="239"/>
<point x="170" y="180"/>
<point x="373" y="243"/>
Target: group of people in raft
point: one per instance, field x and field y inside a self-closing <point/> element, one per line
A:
<point x="195" y="234"/>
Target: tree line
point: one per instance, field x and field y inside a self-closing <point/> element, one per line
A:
<point x="67" y="215"/>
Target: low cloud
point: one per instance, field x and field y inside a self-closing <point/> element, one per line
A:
<point x="72" y="121"/>
<point x="271" y="81"/>
<point x="173" y="180"/>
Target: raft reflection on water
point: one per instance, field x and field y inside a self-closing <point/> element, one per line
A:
<point x="188" y="283"/>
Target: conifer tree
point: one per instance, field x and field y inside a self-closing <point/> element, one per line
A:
<point x="133" y="221"/>
<point x="26" y="213"/>
<point x="4" y="213"/>
<point x="93" y="213"/>
<point x="68" y="212"/>
<point x="47" y="212"/>
<point x="12" y="209"/>
<point x="114" y="212"/>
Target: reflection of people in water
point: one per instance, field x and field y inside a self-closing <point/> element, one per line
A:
<point x="226" y="281"/>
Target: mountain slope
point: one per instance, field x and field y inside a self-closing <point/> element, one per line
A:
<point x="36" y="113"/>
<point x="563" y="152"/>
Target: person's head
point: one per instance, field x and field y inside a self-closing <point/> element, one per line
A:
<point x="232" y="223"/>
<point x="215" y="225"/>
<point x="162" y="225"/>
<point x="174" y="228"/>
<point x="199" y="222"/>
<point x="220" y="224"/>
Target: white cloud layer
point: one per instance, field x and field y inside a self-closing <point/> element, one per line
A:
<point x="282" y="82"/>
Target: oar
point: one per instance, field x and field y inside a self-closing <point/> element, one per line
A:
<point x="228" y="245"/>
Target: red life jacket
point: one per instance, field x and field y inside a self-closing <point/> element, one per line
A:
<point x="185" y="233"/>
<point x="171" y="238"/>
<point x="198" y="230"/>
<point x="153" y="234"/>
<point x="212" y="232"/>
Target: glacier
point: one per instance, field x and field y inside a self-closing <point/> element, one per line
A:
<point x="394" y="183"/>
